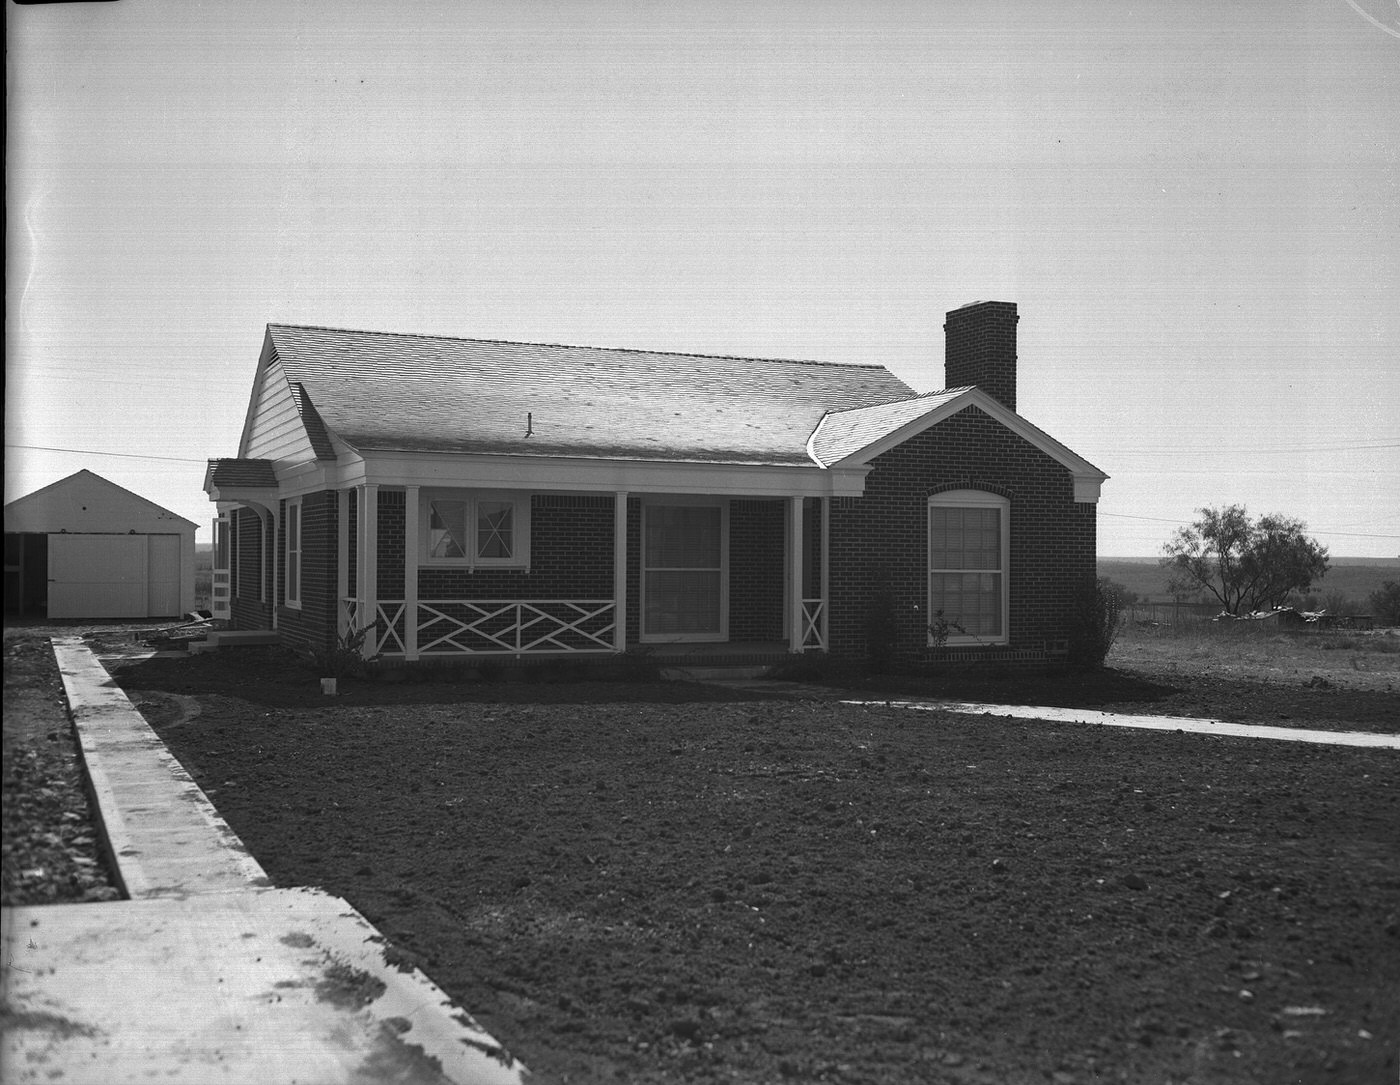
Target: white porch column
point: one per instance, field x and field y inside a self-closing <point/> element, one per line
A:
<point x="410" y="572"/>
<point x="278" y="548"/>
<point x="826" y="572"/>
<point x="342" y="560"/>
<point x="796" y="618"/>
<point x="368" y="592"/>
<point x="620" y="570"/>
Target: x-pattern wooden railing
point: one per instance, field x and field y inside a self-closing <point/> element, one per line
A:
<point x="515" y="626"/>
<point x="812" y="612"/>
<point x="493" y="626"/>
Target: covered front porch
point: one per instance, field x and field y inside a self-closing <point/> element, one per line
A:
<point x="434" y="573"/>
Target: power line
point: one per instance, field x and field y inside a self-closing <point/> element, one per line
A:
<point x="94" y="452"/>
<point x="1297" y="450"/>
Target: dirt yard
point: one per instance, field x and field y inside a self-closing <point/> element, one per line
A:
<point x="659" y="883"/>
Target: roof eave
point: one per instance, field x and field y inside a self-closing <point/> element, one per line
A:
<point x="1088" y="479"/>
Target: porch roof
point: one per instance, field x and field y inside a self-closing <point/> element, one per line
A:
<point x="235" y="472"/>
<point x="415" y="393"/>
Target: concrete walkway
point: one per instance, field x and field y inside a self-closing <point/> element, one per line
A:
<point x="1072" y="715"/>
<point x="1152" y="723"/>
<point x="207" y="973"/>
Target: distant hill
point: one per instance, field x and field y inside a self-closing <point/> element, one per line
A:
<point x="1356" y="578"/>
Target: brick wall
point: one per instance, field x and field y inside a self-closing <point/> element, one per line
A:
<point x="756" y="564"/>
<point x="880" y="541"/>
<point x="312" y="627"/>
<point x="389" y="567"/>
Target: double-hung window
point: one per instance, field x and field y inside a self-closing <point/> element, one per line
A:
<point x="476" y="529"/>
<point x="968" y="555"/>
<point x="292" y="575"/>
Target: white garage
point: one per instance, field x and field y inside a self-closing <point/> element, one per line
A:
<point x="85" y="547"/>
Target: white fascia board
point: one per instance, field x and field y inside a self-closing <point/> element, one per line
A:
<point x="300" y="479"/>
<point x="232" y="497"/>
<point x="543" y="473"/>
<point x="1087" y="478"/>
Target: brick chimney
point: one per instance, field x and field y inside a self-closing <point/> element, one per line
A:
<point x="980" y="349"/>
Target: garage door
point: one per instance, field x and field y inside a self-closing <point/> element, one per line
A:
<point x="97" y="576"/>
<point x="163" y="575"/>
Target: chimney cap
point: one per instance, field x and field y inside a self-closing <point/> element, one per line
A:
<point x="972" y="304"/>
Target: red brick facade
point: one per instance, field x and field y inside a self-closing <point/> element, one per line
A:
<point x="312" y="626"/>
<point x="757" y="558"/>
<point x="879" y="542"/>
<point x="878" y="548"/>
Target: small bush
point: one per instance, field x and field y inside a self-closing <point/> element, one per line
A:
<point x="1385" y="604"/>
<point x="881" y="630"/>
<point x="346" y="659"/>
<point x="1098" y="614"/>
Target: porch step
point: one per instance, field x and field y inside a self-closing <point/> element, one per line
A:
<point x="715" y="673"/>
<point x="234" y="638"/>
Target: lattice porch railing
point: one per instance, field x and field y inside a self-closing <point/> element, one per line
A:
<point x="493" y="626"/>
<point x="813" y="611"/>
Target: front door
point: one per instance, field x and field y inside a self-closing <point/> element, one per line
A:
<point x="685" y="550"/>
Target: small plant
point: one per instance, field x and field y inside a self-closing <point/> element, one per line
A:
<point x="1098" y="614"/>
<point x="347" y="658"/>
<point x="943" y="627"/>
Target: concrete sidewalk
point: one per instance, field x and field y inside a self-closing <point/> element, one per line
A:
<point x="207" y="973"/>
<point x="1151" y="723"/>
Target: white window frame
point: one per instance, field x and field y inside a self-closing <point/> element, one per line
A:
<point x="520" y="528"/>
<point x="971" y="499"/>
<point x="292" y="570"/>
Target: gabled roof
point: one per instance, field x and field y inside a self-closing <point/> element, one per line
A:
<point x="417" y="393"/>
<point x="55" y="507"/>
<point x="855" y="437"/>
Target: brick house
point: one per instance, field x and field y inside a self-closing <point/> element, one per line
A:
<point x="473" y="498"/>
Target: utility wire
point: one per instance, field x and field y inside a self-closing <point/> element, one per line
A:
<point x="94" y="452"/>
<point x="1297" y="450"/>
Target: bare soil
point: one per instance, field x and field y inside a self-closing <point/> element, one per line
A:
<point x="664" y="883"/>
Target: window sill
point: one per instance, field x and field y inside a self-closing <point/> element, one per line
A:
<point x="472" y="567"/>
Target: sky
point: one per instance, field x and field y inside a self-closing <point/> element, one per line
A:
<point x="1195" y="205"/>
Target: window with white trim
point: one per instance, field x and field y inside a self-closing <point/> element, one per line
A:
<point x="292" y="566"/>
<point x="968" y="556"/>
<point x="461" y="528"/>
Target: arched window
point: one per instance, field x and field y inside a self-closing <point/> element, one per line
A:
<point x="968" y="558"/>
